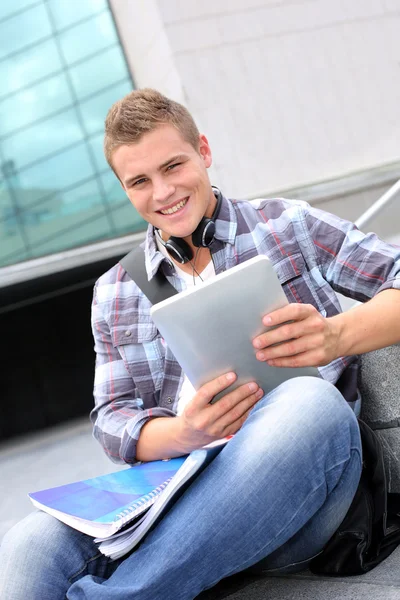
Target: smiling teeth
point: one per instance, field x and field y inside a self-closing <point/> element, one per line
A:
<point x="170" y="211"/>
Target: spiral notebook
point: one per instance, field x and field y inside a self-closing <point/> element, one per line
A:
<point x="102" y="505"/>
<point x="132" y="500"/>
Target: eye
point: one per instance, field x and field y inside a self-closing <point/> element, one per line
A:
<point x="173" y="166"/>
<point x="138" y="182"/>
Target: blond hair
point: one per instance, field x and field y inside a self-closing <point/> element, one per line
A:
<point x="142" y="111"/>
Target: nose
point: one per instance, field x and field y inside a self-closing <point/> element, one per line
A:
<point x="162" y="190"/>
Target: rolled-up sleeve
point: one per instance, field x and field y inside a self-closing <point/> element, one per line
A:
<point x="355" y="264"/>
<point x="118" y="414"/>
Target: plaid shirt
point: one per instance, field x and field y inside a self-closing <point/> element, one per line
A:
<point x="314" y="254"/>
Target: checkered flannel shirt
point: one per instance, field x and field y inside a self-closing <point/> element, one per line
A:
<point x="314" y="254"/>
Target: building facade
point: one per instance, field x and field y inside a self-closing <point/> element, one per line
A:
<point x="297" y="97"/>
<point x="291" y="94"/>
<point x="61" y="67"/>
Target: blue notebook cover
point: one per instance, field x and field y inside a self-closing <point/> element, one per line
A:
<point x="121" y="543"/>
<point x="102" y="505"/>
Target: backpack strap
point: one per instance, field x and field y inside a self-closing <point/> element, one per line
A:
<point x="156" y="290"/>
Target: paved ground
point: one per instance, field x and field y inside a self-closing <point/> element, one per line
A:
<point x="59" y="455"/>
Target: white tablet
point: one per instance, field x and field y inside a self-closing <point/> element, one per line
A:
<point x="210" y="328"/>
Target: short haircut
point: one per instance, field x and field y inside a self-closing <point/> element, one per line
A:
<point x="140" y="112"/>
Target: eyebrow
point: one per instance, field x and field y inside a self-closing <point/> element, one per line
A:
<point x="176" y="158"/>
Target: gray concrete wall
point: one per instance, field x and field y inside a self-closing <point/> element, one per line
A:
<point x="289" y="92"/>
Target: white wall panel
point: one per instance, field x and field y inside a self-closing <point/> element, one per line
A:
<point x="289" y="92"/>
<point x="146" y="45"/>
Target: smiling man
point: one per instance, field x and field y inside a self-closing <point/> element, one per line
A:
<point x="281" y="487"/>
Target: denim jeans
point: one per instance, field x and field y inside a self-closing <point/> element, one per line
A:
<point x="270" y="501"/>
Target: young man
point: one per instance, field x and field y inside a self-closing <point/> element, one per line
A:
<point x="281" y="487"/>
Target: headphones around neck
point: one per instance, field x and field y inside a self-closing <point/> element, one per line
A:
<point x="202" y="236"/>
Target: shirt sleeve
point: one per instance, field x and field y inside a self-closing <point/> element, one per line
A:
<point x="118" y="414"/>
<point x="355" y="264"/>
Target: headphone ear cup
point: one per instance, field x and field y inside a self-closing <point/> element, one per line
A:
<point x="179" y="249"/>
<point x="203" y="235"/>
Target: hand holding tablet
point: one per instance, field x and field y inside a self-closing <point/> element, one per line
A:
<point x="210" y="328"/>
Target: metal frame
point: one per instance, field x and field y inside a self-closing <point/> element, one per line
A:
<point x="378" y="206"/>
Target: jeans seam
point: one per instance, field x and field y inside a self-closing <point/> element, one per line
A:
<point x="90" y="560"/>
<point x="292" y="564"/>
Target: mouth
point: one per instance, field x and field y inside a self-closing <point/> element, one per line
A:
<point x="171" y="210"/>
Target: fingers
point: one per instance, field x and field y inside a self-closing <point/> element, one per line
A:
<point x="233" y="419"/>
<point x="236" y="425"/>
<point x="231" y="407"/>
<point x="246" y="393"/>
<point x="291" y="312"/>
<point x="207" y="391"/>
<point x="308" y="321"/>
<point x="203" y="423"/>
<point x="315" y="358"/>
<point x="291" y="348"/>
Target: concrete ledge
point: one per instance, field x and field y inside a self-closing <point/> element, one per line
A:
<point x="382" y="583"/>
<point x="347" y="184"/>
<point x="380" y="387"/>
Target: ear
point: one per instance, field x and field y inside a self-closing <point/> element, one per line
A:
<point x="205" y="150"/>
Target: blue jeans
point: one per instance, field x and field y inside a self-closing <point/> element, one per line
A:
<point x="270" y="500"/>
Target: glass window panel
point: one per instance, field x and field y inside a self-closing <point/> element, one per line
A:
<point x="65" y="169"/>
<point x="77" y="219"/>
<point x="64" y="214"/>
<point x="113" y="190"/>
<point x="99" y="72"/>
<point x="66" y="13"/>
<point x="124" y="215"/>
<point x="68" y="217"/>
<point x="24" y="29"/>
<point x="6" y="203"/>
<point x="10" y="228"/>
<point x="94" y="111"/>
<point x="22" y="69"/>
<point x="29" y="199"/>
<point x="13" y="257"/>
<point x="61" y="212"/>
<point x="9" y="8"/>
<point x="83" y="198"/>
<point x="34" y="103"/>
<point x="96" y="144"/>
<point x="43" y="139"/>
<point x="88" y="37"/>
<point x="87" y="232"/>
<point x="127" y="220"/>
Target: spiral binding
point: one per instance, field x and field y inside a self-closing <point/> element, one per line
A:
<point x="145" y="502"/>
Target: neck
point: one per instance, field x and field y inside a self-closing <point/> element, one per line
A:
<point x="201" y="258"/>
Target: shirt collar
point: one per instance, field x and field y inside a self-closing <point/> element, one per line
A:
<point x="225" y="231"/>
<point x="153" y="257"/>
<point x="226" y="223"/>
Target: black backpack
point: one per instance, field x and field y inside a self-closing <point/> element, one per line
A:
<point x="370" y="530"/>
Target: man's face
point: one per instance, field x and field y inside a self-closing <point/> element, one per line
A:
<point x="166" y="180"/>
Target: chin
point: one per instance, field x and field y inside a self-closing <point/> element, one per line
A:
<point x="181" y="235"/>
<point x="180" y="232"/>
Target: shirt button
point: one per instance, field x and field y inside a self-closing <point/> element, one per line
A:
<point x="169" y="400"/>
<point x="127" y="333"/>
